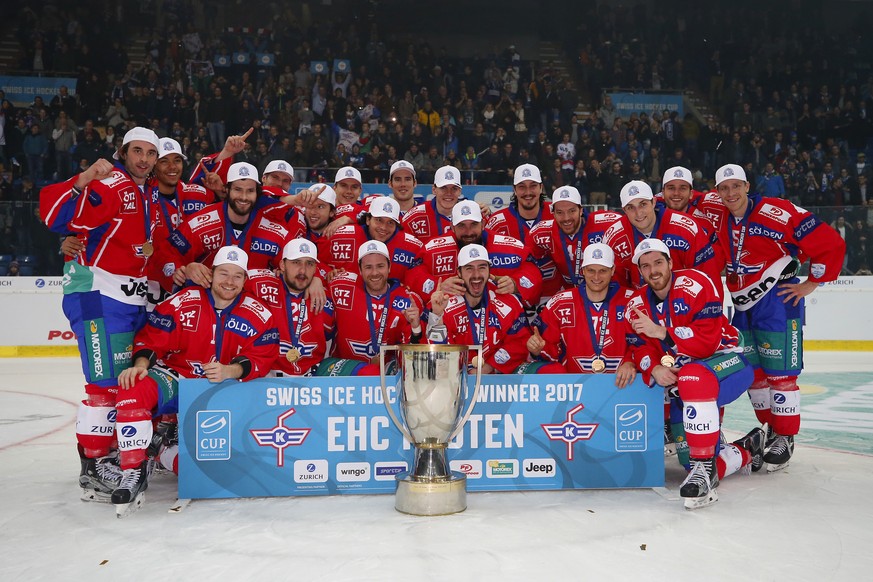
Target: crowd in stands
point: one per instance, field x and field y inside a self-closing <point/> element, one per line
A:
<point x="795" y="115"/>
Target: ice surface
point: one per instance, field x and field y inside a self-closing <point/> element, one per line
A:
<point x="811" y="521"/>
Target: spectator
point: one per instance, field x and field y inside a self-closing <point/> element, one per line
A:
<point x="64" y="137"/>
<point x="36" y="149"/>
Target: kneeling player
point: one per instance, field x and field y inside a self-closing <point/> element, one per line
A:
<point x="218" y="333"/>
<point x="583" y="328"/>
<point x="482" y="316"/>
<point x="679" y="336"/>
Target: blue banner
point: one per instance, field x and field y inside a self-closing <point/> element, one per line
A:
<point x="266" y="59"/>
<point x="318" y="67"/>
<point x="342" y="66"/>
<point x="21" y="90"/>
<point x="326" y="436"/>
<point x="497" y="197"/>
<point x="627" y="103"/>
<point x="241" y="58"/>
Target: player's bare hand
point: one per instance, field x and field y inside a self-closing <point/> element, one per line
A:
<point x="642" y="324"/>
<point x="213" y="181"/>
<point x="131" y="376"/>
<point x="413" y="316"/>
<point x="486" y="367"/>
<point x="199" y="273"/>
<point x="438" y="301"/>
<point x="452" y="286"/>
<point x="535" y="343"/>
<point x="71" y="246"/>
<point x="796" y="291"/>
<point x="97" y="171"/>
<point x="331" y="228"/>
<point x="216" y="372"/>
<point x="664" y="376"/>
<point x="302" y="198"/>
<point x="235" y="144"/>
<point x="625" y="375"/>
<point x="485" y="209"/>
<point x="316" y="295"/>
<point x="334" y="274"/>
<point x="505" y="284"/>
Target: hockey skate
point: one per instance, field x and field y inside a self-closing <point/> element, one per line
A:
<point x="166" y="435"/>
<point x="99" y="478"/>
<point x="129" y="496"/>
<point x="700" y="486"/>
<point x="779" y="453"/>
<point x="754" y="443"/>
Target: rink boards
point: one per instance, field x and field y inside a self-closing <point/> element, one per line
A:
<point x="327" y="436"/>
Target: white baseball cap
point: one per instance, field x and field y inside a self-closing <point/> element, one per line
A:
<point x="466" y="210"/>
<point x="447" y="175"/>
<point x="635" y="190"/>
<point x="300" y="248"/>
<point x="279" y="166"/>
<point x="347" y="172"/>
<point x="372" y="247"/>
<point x="401" y="165"/>
<point x="231" y="255"/>
<point x="526" y="172"/>
<point x="647" y="246"/>
<point x="139" y="134"/>
<point x="730" y="172"/>
<point x="598" y="254"/>
<point x="678" y="173"/>
<point x="471" y="253"/>
<point x="169" y="146"/>
<point x="385" y="207"/>
<point x="328" y="195"/>
<point x="567" y="194"/>
<point x="242" y="171"/>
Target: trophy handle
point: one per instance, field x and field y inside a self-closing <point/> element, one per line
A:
<point x="400" y="426"/>
<point x="475" y="398"/>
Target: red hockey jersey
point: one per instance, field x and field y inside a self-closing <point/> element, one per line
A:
<point x="405" y="250"/>
<point x="186" y="332"/>
<point x="426" y="223"/>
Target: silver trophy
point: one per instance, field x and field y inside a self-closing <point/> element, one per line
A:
<point x="433" y="394"/>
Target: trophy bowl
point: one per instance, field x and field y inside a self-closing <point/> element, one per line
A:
<point x="434" y="405"/>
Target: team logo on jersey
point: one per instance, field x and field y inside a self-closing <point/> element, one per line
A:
<point x="279" y="437"/>
<point x="570" y="431"/>
<point x="363" y="349"/>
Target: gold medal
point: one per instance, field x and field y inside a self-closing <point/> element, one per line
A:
<point x="148" y="249"/>
<point x="667" y="361"/>
<point x="293" y="355"/>
<point x="598" y="365"/>
<point x="733" y="278"/>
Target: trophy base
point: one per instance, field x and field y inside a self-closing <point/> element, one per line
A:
<point x="417" y="497"/>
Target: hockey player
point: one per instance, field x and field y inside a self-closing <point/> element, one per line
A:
<point x="688" y="239"/>
<point x="381" y="222"/>
<point x="679" y="336"/>
<point x="303" y="332"/>
<point x="678" y="194"/>
<point x="238" y="221"/>
<point x="561" y="240"/>
<point x="761" y="238"/>
<point x="583" y="328"/>
<point x="319" y="214"/>
<point x="218" y="333"/>
<point x="176" y="202"/>
<point x="371" y="310"/>
<point x="433" y="218"/>
<point x="527" y="208"/>
<point x="512" y="272"/>
<point x="105" y="287"/>
<point x="401" y="180"/>
<point x="481" y="316"/>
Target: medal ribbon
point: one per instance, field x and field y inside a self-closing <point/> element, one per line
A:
<point x="480" y="332"/>
<point x="230" y="237"/>
<point x="573" y="266"/>
<point x="376" y="340"/>
<point x="598" y="340"/>
<point x="667" y="305"/>
<point x="295" y="330"/>
<point x="735" y="253"/>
